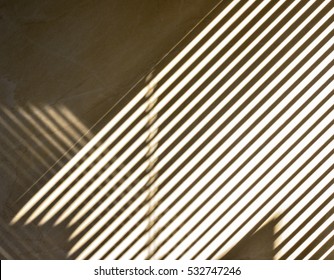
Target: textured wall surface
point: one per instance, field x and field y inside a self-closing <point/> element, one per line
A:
<point x="166" y="129"/>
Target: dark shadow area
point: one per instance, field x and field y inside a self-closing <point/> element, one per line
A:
<point x="258" y="246"/>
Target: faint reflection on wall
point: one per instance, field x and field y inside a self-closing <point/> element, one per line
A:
<point x="34" y="138"/>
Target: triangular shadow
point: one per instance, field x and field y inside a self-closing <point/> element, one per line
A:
<point x="257" y="246"/>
